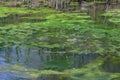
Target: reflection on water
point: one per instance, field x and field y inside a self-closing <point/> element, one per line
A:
<point x="39" y="58"/>
<point x="111" y="64"/>
<point x="35" y="57"/>
<point x="15" y="18"/>
<point x="10" y="76"/>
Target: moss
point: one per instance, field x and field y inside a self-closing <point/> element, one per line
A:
<point x="90" y="71"/>
<point x="74" y="4"/>
<point x="112" y="59"/>
<point x="5" y="11"/>
<point x="117" y="78"/>
<point x="65" y="30"/>
<point x="57" y="64"/>
<point x="55" y="77"/>
<point x="113" y="16"/>
<point x="116" y="60"/>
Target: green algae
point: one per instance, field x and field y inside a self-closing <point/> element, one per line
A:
<point x="91" y="71"/>
<point x="58" y="64"/>
<point x="72" y="32"/>
<point x="6" y="11"/>
<point x="113" y="16"/>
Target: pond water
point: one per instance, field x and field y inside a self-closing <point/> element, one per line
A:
<point x="19" y="18"/>
<point x="10" y="76"/>
<point x="36" y="57"/>
<point x="55" y="41"/>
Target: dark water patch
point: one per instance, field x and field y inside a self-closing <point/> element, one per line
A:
<point x="111" y="64"/>
<point x="79" y="75"/>
<point x="82" y="59"/>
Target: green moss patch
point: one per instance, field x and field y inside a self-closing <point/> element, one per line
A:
<point x="5" y="11"/>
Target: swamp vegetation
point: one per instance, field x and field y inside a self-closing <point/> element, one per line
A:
<point x="59" y="40"/>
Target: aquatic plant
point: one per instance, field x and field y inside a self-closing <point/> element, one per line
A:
<point x="6" y="11"/>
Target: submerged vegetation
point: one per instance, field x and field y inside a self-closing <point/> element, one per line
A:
<point x="69" y="31"/>
<point x="6" y="11"/>
<point x="45" y="43"/>
<point x="113" y="16"/>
